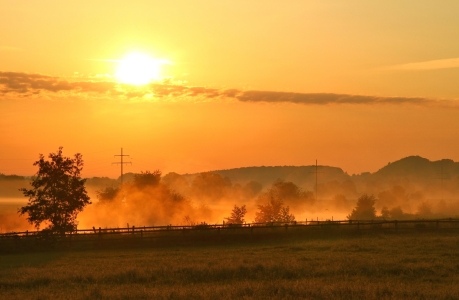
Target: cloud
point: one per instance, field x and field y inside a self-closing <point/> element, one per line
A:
<point x="30" y="85"/>
<point x="427" y="65"/>
<point x="327" y="98"/>
<point x="26" y="84"/>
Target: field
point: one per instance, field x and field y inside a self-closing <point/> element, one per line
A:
<point x="410" y="265"/>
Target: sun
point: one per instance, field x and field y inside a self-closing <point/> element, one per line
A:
<point x="138" y="69"/>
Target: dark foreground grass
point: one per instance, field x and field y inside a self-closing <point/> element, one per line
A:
<point x="372" y="266"/>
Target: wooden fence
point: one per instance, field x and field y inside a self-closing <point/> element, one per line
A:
<point x="171" y="231"/>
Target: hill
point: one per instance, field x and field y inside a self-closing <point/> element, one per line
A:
<point x="413" y="173"/>
<point x="303" y="176"/>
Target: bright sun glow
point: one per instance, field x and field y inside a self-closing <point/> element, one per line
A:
<point x="138" y="69"/>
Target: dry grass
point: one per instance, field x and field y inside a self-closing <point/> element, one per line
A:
<point x="382" y="266"/>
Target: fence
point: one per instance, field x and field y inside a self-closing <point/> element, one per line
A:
<point x="252" y="228"/>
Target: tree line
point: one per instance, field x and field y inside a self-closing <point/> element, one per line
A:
<point x="58" y="195"/>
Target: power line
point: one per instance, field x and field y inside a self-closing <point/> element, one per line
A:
<point x="121" y="162"/>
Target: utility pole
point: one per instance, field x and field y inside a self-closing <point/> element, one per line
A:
<point x="121" y="162"/>
<point x="316" y="172"/>
<point x="316" y="180"/>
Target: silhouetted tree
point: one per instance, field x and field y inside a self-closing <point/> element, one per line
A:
<point x="385" y="213"/>
<point x="176" y="196"/>
<point x="237" y="215"/>
<point x="397" y="213"/>
<point x="58" y="193"/>
<point x="287" y="192"/>
<point x="108" y="194"/>
<point x="281" y="189"/>
<point x="274" y="211"/>
<point x="148" y="178"/>
<point x="365" y="208"/>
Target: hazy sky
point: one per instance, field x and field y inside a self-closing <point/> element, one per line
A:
<point x="354" y="84"/>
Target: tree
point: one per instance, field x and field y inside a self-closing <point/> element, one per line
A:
<point x="58" y="193"/>
<point x="424" y="209"/>
<point x="395" y="213"/>
<point x="237" y="215"/>
<point x="210" y="185"/>
<point x="108" y="194"/>
<point x="146" y="179"/>
<point x="290" y="193"/>
<point x="274" y="211"/>
<point x="365" y="208"/>
<point x="251" y="189"/>
<point x="176" y="182"/>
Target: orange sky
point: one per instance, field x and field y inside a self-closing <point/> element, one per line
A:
<point x="354" y="84"/>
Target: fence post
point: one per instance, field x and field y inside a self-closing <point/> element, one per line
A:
<point x="99" y="236"/>
<point x="133" y="228"/>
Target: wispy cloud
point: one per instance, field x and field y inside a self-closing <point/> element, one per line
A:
<point x="36" y="85"/>
<point x="327" y="98"/>
<point x="32" y="84"/>
<point x="426" y="65"/>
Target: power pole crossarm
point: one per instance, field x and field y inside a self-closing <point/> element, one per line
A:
<point x="121" y="162"/>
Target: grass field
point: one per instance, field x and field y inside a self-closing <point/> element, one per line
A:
<point x="415" y="265"/>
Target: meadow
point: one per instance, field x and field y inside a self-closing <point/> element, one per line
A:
<point x="372" y="265"/>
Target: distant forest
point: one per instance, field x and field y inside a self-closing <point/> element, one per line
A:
<point x="434" y="179"/>
<point x="407" y="188"/>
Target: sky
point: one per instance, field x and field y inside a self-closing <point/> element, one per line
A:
<point x="354" y="84"/>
